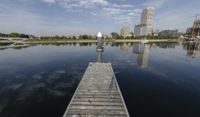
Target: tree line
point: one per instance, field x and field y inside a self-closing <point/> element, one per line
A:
<point x="114" y="35"/>
<point x="81" y="37"/>
<point x="16" y="35"/>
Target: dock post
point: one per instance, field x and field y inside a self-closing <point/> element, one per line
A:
<point x="100" y="48"/>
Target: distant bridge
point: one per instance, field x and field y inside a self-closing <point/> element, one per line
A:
<point x="13" y="42"/>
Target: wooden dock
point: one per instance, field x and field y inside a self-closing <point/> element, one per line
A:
<point x="98" y="94"/>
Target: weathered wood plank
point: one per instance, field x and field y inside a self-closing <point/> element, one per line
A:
<point x="98" y="94"/>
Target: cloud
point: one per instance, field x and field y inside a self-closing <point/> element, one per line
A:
<point x="176" y="17"/>
<point x="121" y="14"/>
<point x="86" y="2"/>
<point x="155" y="3"/>
<point x="173" y="20"/>
<point x="122" y="6"/>
<point x="74" y="16"/>
<point x="69" y="4"/>
<point x="97" y="10"/>
<point x="49" y="1"/>
<point x="25" y="21"/>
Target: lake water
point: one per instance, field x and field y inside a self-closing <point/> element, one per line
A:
<point x="156" y="79"/>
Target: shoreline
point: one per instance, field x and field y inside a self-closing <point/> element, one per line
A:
<point x="95" y="41"/>
<point x="8" y="44"/>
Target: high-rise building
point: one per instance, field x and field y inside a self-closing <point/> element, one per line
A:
<point x="125" y="32"/>
<point x="146" y="23"/>
<point x="147" y="19"/>
<point x="195" y="29"/>
<point x="140" y="30"/>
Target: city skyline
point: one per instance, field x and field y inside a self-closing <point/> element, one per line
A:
<point x="67" y="17"/>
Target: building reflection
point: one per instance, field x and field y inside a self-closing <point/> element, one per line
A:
<point x="166" y="45"/>
<point x="142" y="51"/>
<point x="193" y="49"/>
<point x="124" y="47"/>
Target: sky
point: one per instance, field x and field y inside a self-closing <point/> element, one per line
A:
<point x="74" y="17"/>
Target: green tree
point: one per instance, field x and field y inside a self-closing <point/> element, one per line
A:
<point x="14" y="34"/>
<point x="74" y="38"/>
<point x="114" y="35"/>
<point x="90" y="37"/>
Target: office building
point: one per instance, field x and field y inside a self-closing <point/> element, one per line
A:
<point x="146" y="23"/>
<point x="140" y="30"/>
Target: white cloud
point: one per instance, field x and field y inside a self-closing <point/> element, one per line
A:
<point x="91" y="2"/>
<point x="156" y="3"/>
<point x="49" y="1"/>
<point x="122" y="6"/>
<point x="25" y="21"/>
<point x="174" y="19"/>
<point x="70" y="4"/>
<point x="112" y="11"/>
<point x="120" y="13"/>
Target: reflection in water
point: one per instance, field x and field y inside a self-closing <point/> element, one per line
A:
<point x="193" y="49"/>
<point x="17" y="44"/>
<point x="100" y="56"/>
<point x="142" y="51"/>
<point x="39" y="81"/>
<point x="124" y="47"/>
<point x="100" y="48"/>
<point x="166" y="45"/>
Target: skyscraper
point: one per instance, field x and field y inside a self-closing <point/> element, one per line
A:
<point x="195" y="30"/>
<point x="147" y="19"/>
<point x="146" y="22"/>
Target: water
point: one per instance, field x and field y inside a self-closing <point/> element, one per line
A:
<point x="156" y="79"/>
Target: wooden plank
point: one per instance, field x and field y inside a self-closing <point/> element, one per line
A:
<point x="98" y="94"/>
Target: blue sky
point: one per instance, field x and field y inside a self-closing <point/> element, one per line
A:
<point x="73" y="17"/>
